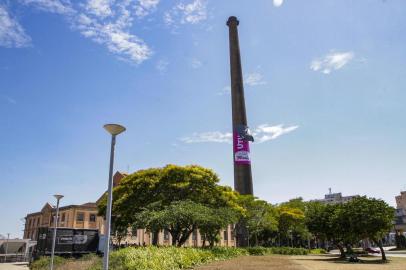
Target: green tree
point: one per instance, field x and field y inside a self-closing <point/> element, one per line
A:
<point x="324" y="221"/>
<point x="297" y="227"/>
<point x="152" y="190"/>
<point x="215" y="219"/>
<point x="259" y="217"/>
<point x="290" y="220"/>
<point x="368" y="218"/>
<point x="181" y="218"/>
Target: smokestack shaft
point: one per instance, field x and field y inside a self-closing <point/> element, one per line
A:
<point x="242" y="162"/>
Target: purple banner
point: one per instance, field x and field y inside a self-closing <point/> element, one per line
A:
<point x="241" y="150"/>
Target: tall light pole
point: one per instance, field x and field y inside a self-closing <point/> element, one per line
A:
<point x="114" y="130"/>
<point x="58" y="198"/>
<point x="5" y="255"/>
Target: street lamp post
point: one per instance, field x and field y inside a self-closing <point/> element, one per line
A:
<point x="6" y="251"/>
<point x="58" y="198"/>
<point x="114" y="130"/>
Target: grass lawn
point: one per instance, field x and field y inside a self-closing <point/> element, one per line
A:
<point x="313" y="262"/>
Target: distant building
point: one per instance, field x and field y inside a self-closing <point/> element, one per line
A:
<point x="82" y="216"/>
<point x="85" y="216"/>
<point x="335" y="198"/>
<point x="401" y="200"/>
<point x="400" y="220"/>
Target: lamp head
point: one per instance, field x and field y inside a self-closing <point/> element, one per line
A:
<point x="58" y="196"/>
<point x="114" y="129"/>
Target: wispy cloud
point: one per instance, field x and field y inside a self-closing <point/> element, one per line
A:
<point x="145" y="7"/>
<point x="277" y="3"/>
<point x="265" y="132"/>
<point x="262" y="133"/>
<point x="196" y="63"/>
<point x="12" y="33"/>
<point x="254" y="79"/>
<point x="100" y="8"/>
<point x="10" y="100"/>
<point x="162" y="65"/>
<point x="332" y="61"/>
<point x="213" y="136"/>
<point x="226" y="90"/>
<point x="191" y="12"/>
<point x="106" y="22"/>
<point x="250" y="79"/>
<point x="53" y="6"/>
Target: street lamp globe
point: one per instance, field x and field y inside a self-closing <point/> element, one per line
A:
<point x="58" y="196"/>
<point x="114" y="129"/>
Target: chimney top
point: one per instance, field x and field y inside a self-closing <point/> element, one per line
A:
<point x="232" y="19"/>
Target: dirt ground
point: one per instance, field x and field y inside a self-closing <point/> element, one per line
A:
<point x="13" y="266"/>
<point x="322" y="262"/>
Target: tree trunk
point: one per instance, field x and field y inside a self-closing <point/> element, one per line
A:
<point x="174" y="238"/>
<point x="155" y="236"/>
<point x="382" y="251"/>
<point x="342" y="252"/>
<point x="349" y="249"/>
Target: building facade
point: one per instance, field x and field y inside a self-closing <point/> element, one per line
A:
<point x="85" y="217"/>
<point x="335" y="198"/>
<point x="72" y="216"/>
<point x="400" y="220"/>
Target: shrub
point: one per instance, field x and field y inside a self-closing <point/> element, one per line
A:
<point x="318" y="251"/>
<point x="44" y="263"/>
<point x="163" y="258"/>
<point x="259" y="251"/>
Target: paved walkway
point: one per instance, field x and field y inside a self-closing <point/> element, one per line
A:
<point x="13" y="266"/>
<point x="310" y="262"/>
<point x="254" y="263"/>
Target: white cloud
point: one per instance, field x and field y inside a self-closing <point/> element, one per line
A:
<point x="54" y="6"/>
<point x="250" y="79"/>
<point x="162" y="65"/>
<point x="262" y="133"/>
<point x="196" y="63"/>
<point x="214" y="136"/>
<point x="12" y="33"/>
<point x="101" y="8"/>
<point x="277" y="3"/>
<point x="265" y="132"/>
<point x="107" y="22"/>
<point x="144" y="7"/>
<point x="192" y="12"/>
<point x="331" y="61"/>
<point x="225" y="91"/>
<point x="254" y="79"/>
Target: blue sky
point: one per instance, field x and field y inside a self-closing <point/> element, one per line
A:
<point x="324" y="82"/>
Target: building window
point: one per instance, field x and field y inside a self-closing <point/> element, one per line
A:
<point x="52" y="219"/>
<point x="92" y="218"/>
<point x="80" y="217"/>
<point x="225" y="235"/>
<point x="63" y="217"/>
<point x="166" y="235"/>
<point x="38" y="222"/>
<point x="134" y="232"/>
<point x="29" y="222"/>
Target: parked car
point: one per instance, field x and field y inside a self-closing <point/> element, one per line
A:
<point x="372" y="250"/>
